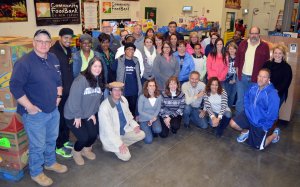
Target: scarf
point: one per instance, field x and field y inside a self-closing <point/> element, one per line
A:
<point x="150" y="57"/>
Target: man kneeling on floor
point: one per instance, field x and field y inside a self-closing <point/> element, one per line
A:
<point x="117" y="128"/>
<point x="261" y="111"/>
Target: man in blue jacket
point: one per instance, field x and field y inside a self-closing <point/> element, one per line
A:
<point x="261" y="111"/>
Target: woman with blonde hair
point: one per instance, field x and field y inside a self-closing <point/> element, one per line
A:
<point x="193" y="39"/>
<point x="281" y="71"/>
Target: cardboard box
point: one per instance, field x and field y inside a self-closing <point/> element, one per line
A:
<point x="14" y="160"/>
<point x="6" y="120"/>
<point x="8" y="39"/>
<point x="10" y="53"/>
<point x="7" y="101"/>
<point x="13" y="142"/>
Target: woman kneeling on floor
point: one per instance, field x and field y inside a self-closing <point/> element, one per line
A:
<point x="172" y="107"/>
<point x="149" y="105"/>
<point x="216" y="105"/>
<point x="81" y="109"/>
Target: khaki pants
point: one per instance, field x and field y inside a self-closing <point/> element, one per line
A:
<point x="130" y="138"/>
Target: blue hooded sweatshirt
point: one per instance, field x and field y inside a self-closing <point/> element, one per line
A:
<point x="187" y="67"/>
<point x="262" y="106"/>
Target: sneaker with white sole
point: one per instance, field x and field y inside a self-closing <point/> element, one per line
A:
<point x="277" y="132"/>
<point x="64" y="152"/>
<point x="242" y="137"/>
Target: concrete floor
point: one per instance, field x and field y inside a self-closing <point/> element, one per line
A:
<point x="193" y="157"/>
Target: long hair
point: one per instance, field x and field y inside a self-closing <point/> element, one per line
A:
<point x="92" y="80"/>
<point x="209" y="83"/>
<point x="145" y="90"/>
<point x="214" y="51"/>
<point x="175" y="79"/>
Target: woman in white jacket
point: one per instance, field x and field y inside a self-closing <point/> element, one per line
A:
<point x="117" y="128"/>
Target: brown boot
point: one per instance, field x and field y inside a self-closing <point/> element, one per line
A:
<point x="58" y="168"/>
<point x="77" y="158"/>
<point x="87" y="152"/>
<point x="42" y="180"/>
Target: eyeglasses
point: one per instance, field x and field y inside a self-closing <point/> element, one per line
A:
<point x="41" y="42"/>
<point x="166" y="47"/>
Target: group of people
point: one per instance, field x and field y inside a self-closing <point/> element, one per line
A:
<point x="141" y="87"/>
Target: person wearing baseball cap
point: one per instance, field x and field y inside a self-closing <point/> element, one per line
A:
<point x="63" y="51"/>
<point x="82" y="57"/>
<point x="117" y="128"/>
<point x="36" y="85"/>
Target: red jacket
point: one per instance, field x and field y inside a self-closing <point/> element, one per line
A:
<point x="262" y="55"/>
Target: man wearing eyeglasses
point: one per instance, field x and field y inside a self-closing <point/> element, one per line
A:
<point x="37" y="86"/>
<point x="251" y="55"/>
<point x="63" y="52"/>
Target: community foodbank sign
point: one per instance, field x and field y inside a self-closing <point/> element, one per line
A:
<point x="115" y="10"/>
<point x="57" y="12"/>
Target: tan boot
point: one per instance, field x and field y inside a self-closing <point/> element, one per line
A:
<point x="42" y="180"/>
<point x="77" y="158"/>
<point x="58" y="168"/>
<point x="87" y="152"/>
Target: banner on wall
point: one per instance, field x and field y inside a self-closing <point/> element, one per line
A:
<point x="13" y="10"/>
<point x="115" y="10"/>
<point x="57" y="12"/>
<point x="234" y="4"/>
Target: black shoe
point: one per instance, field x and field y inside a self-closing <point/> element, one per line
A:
<point x="173" y="131"/>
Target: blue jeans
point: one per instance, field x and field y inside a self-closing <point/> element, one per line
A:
<point x="192" y="114"/>
<point x="42" y="131"/>
<point x="155" y="128"/>
<point x="223" y="123"/>
<point x="231" y="92"/>
<point x="243" y="86"/>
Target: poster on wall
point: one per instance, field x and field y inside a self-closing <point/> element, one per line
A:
<point x="57" y="12"/>
<point x="13" y="11"/>
<point x="234" y="4"/>
<point x="90" y="14"/>
<point x="115" y="10"/>
<point x="150" y="13"/>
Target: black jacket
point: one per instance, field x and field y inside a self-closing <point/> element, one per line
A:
<point x="66" y="67"/>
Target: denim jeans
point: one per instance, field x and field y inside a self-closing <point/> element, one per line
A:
<point x="155" y="128"/>
<point x="42" y="131"/>
<point x="231" y="92"/>
<point x="223" y="123"/>
<point x="243" y="86"/>
<point x="191" y="114"/>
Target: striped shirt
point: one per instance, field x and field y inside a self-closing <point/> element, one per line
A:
<point x="215" y="103"/>
<point x="172" y="106"/>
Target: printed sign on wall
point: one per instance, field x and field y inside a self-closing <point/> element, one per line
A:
<point x="57" y="12"/>
<point x="115" y="10"/>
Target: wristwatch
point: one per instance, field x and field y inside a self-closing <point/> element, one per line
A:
<point x="59" y="96"/>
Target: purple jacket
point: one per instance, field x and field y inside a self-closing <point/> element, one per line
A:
<point x="262" y="54"/>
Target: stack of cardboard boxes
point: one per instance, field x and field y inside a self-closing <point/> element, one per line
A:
<point x="13" y="139"/>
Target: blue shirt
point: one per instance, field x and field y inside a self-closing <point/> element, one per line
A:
<point x="122" y="118"/>
<point x="38" y="79"/>
<point x="131" y="84"/>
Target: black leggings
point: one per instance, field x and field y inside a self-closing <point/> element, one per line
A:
<point x="86" y="134"/>
<point x="175" y="125"/>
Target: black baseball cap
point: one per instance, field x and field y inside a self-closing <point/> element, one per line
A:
<point x="42" y="31"/>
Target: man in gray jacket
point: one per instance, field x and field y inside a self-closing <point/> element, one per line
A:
<point x="194" y="91"/>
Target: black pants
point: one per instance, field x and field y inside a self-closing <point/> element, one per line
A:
<point x="222" y="126"/>
<point x="175" y="125"/>
<point x="86" y="135"/>
<point x="132" y="102"/>
<point x="64" y="131"/>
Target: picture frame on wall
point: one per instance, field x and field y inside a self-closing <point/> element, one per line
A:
<point x="233" y="4"/>
<point x="13" y="11"/>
